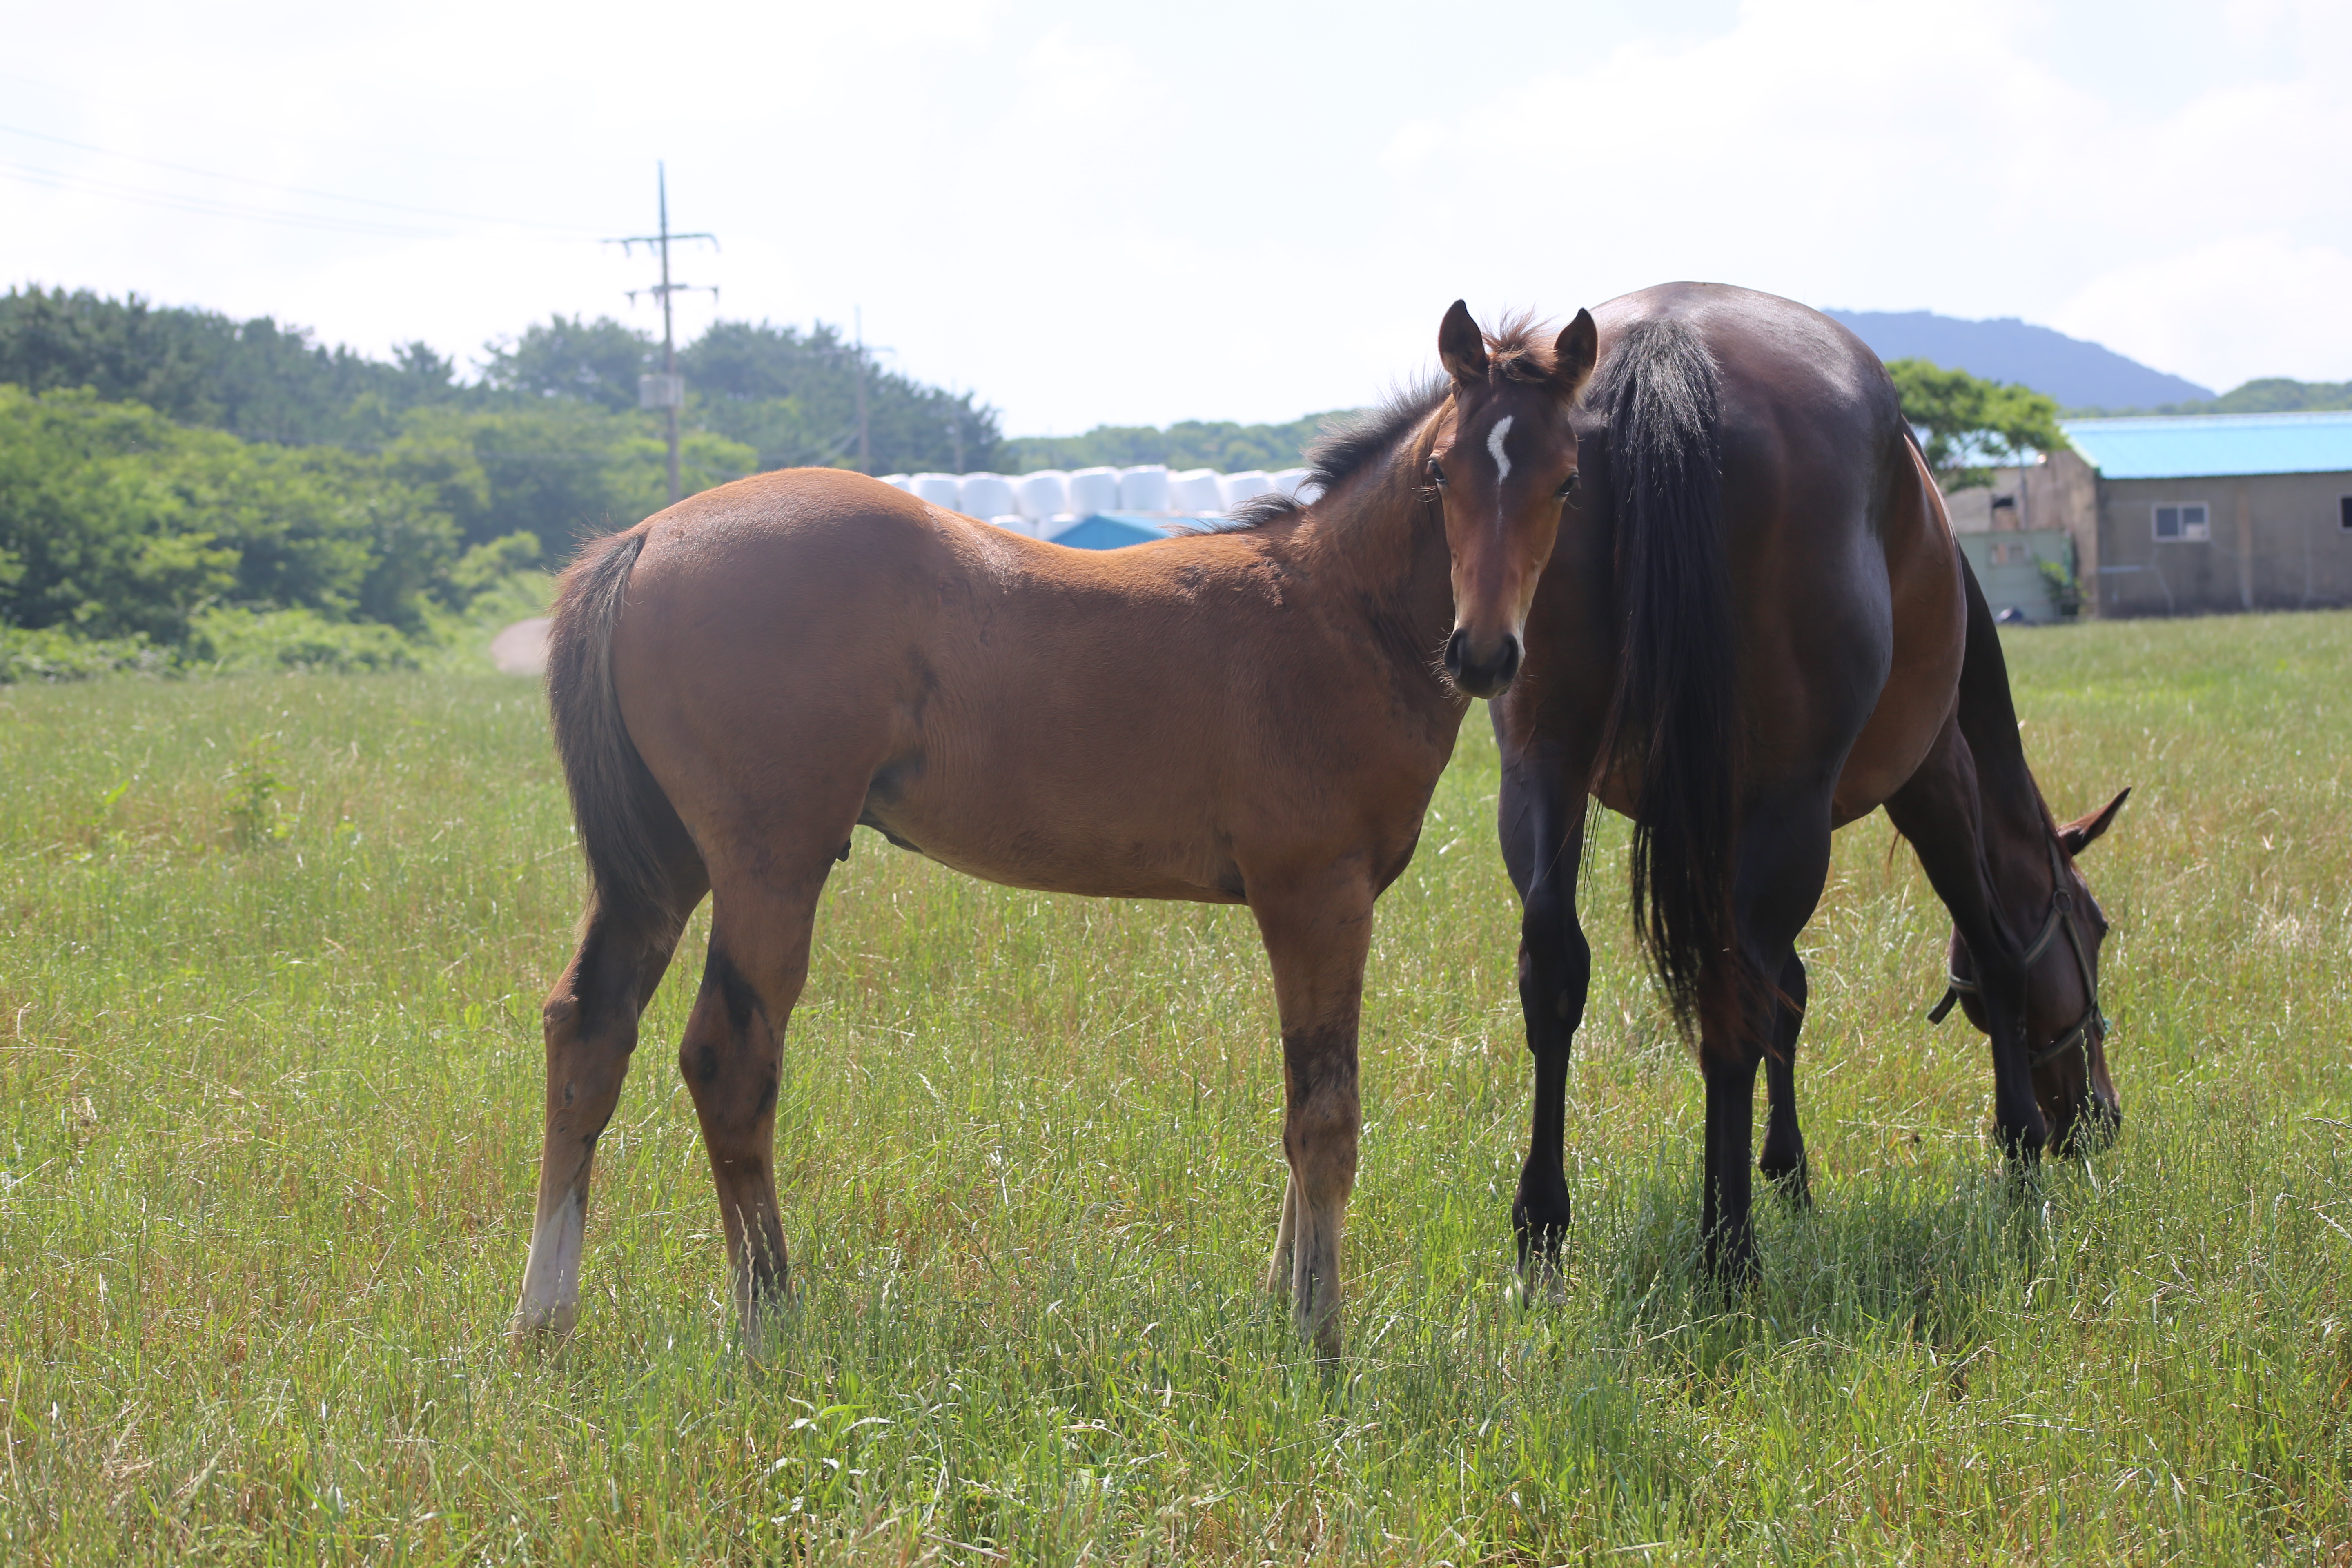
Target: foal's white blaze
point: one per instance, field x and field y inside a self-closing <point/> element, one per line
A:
<point x="1495" y="447"/>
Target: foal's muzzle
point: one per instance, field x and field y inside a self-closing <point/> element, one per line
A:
<point x="1482" y="673"/>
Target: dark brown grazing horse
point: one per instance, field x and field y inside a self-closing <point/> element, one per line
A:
<point x="1251" y="716"/>
<point x="1755" y="628"/>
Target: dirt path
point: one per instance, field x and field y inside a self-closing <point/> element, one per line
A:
<point x="521" y="648"/>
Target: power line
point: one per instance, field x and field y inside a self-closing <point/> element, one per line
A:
<point x="567" y="229"/>
<point x="205" y="206"/>
<point x="307" y="139"/>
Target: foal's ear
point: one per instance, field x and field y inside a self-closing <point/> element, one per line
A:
<point x="1461" y="346"/>
<point x="1573" y="355"/>
<point x="2082" y="831"/>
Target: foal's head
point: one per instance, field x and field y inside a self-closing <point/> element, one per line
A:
<point x="1503" y="464"/>
<point x="2066" y="1032"/>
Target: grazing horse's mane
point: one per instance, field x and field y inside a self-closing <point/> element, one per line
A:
<point x="1517" y="350"/>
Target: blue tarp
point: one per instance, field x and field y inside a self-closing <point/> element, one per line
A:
<point x="1111" y="530"/>
<point x="2208" y="445"/>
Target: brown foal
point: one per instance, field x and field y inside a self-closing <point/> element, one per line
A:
<point x="1255" y="715"/>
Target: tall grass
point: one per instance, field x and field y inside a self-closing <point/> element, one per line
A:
<point x="269" y="1111"/>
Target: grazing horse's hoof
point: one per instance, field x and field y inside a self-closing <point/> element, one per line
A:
<point x="1540" y="1222"/>
<point x="1793" y="1183"/>
<point x="1730" y="1261"/>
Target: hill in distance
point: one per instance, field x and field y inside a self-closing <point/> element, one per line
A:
<point x="2077" y="374"/>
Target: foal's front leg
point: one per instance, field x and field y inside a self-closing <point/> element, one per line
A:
<point x="1318" y="935"/>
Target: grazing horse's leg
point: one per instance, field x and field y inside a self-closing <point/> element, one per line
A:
<point x="590" y="1022"/>
<point x="1542" y="822"/>
<point x="732" y="1053"/>
<point x="1784" y="859"/>
<point x="1783" y="1160"/>
<point x="1318" y="935"/>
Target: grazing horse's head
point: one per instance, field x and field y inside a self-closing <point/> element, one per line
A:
<point x="2066" y="1032"/>
<point x="1503" y="464"/>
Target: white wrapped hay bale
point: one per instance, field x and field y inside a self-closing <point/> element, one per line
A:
<point x="1013" y="522"/>
<point x="1196" y="491"/>
<point x="1094" y="490"/>
<point x="1239" y="490"/>
<point x="988" y="495"/>
<point x="938" y="489"/>
<point x="1290" y="480"/>
<point x="1043" y="494"/>
<point x="1144" y="488"/>
<point x="896" y="481"/>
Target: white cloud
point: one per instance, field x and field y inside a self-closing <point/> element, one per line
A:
<point x="2226" y="311"/>
<point x="1923" y="156"/>
<point x="1089" y="215"/>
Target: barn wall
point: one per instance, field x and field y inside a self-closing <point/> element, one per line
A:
<point x="2276" y="543"/>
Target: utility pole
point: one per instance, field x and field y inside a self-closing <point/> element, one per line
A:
<point x="864" y="437"/>
<point x="668" y="390"/>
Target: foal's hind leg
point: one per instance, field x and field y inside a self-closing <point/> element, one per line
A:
<point x="1318" y="935"/>
<point x="590" y="1022"/>
<point x="732" y="1054"/>
<point x="1783" y="1160"/>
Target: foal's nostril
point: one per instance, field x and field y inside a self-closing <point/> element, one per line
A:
<point x="1477" y="677"/>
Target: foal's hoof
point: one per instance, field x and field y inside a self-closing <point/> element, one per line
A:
<point x="542" y="1322"/>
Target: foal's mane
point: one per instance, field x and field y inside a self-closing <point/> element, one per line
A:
<point x="1518" y="349"/>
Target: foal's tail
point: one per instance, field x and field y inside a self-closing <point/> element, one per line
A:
<point x="1673" y="717"/>
<point x="623" y="819"/>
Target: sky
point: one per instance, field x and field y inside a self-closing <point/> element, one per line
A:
<point x="1137" y="214"/>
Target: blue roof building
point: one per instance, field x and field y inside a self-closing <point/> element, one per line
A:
<point x="2193" y="513"/>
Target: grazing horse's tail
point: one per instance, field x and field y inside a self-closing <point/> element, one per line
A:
<point x="624" y="818"/>
<point x="1673" y="719"/>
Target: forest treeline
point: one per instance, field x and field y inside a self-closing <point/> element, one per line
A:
<point x="159" y="466"/>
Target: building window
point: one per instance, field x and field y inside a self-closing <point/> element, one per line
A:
<point x="2343" y="513"/>
<point x="2182" y="522"/>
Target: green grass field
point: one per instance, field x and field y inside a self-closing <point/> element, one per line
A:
<point x="271" y="951"/>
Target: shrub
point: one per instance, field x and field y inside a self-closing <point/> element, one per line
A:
<point x="50" y="655"/>
<point x="246" y="640"/>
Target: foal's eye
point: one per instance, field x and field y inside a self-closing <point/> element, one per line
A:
<point x="1436" y="474"/>
<point x="1569" y="486"/>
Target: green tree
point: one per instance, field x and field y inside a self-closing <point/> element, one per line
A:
<point x="593" y="361"/>
<point x="793" y="396"/>
<point x="1971" y="424"/>
<point x="557" y="469"/>
<point x="1188" y="444"/>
